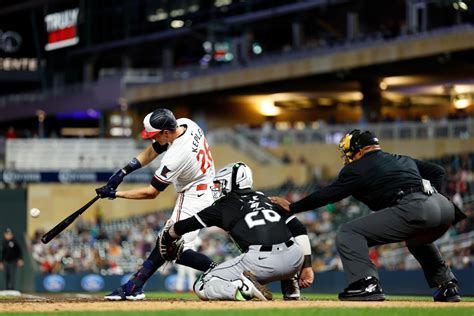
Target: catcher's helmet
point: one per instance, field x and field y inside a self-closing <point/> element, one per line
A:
<point x="351" y="143"/>
<point x="157" y="121"/>
<point x="235" y="177"/>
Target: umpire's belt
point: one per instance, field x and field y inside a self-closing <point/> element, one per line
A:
<point x="287" y="243"/>
<point x="407" y="191"/>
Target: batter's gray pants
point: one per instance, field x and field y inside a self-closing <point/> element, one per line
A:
<point x="418" y="219"/>
<point x="221" y="282"/>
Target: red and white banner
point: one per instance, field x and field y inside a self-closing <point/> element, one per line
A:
<point x="62" y="29"/>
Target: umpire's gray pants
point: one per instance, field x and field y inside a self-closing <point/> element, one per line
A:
<point x="281" y="263"/>
<point x="418" y="219"/>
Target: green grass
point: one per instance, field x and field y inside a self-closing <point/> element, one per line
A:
<point x="457" y="309"/>
<point x="281" y="312"/>
<point x="309" y="296"/>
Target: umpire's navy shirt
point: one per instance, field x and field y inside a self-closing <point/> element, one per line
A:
<point x="374" y="179"/>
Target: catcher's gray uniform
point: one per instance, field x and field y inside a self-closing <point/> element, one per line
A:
<point x="264" y="235"/>
<point x="277" y="262"/>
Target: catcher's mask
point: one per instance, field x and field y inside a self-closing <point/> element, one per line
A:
<point x="235" y="176"/>
<point x="351" y="143"/>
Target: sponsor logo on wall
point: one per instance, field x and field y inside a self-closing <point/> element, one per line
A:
<point x="62" y="29"/>
<point x="92" y="283"/>
<point x="10" y="41"/>
<point x="54" y="283"/>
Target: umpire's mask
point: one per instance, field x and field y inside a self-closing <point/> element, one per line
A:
<point x="351" y="143"/>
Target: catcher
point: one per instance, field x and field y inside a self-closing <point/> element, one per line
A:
<point x="275" y="246"/>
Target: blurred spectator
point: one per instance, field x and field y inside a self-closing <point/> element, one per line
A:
<point x="11" y="133"/>
<point x="116" y="246"/>
<point x="286" y="159"/>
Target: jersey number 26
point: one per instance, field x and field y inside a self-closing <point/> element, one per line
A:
<point x="268" y="215"/>
<point x="204" y="157"/>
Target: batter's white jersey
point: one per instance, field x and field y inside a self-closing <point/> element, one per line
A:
<point x="188" y="165"/>
<point x="188" y="160"/>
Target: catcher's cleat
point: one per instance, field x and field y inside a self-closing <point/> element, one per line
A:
<point x="252" y="288"/>
<point x="120" y="294"/>
<point x="367" y="289"/>
<point x="290" y="289"/>
<point x="447" y="292"/>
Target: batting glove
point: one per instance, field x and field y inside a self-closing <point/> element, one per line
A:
<point x="116" y="179"/>
<point x="106" y="192"/>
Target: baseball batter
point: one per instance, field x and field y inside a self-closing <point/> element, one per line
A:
<point x="275" y="246"/>
<point x="187" y="164"/>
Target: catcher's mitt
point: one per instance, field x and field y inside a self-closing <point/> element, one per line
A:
<point x="170" y="248"/>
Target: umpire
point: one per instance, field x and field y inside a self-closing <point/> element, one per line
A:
<point x="10" y="258"/>
<point x="406" y="208"/>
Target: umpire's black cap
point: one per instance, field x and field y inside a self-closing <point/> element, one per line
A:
<point x="157" y="121"/>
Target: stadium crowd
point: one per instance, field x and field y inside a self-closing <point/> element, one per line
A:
<point x="118" y="246"/>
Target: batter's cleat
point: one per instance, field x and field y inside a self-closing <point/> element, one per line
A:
<point x="252" y="288"/>
<point x="290" y="289"/>
<point x="447" y="292"/>
<point x="119" y="294"/>
<point x="137" y="295"/>
<point x="367" y="289"/>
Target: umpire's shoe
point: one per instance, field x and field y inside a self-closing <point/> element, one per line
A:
<point x="367" y="289"/>
<point x="447" y="292"/>
<point x="122" y="294"/>
<point x="252" y="288"/>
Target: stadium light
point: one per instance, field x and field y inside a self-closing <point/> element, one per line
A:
<point x="176" y="24"/>
<point x="462" y="102"/>
<point x="257" y="49"/>
<point x="268" y="108"/>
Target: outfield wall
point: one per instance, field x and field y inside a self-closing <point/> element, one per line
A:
<point x="393" y="282"/>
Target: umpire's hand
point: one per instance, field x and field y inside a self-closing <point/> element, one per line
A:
<point x="284" y="204"/>
<point x="106" y="192"/>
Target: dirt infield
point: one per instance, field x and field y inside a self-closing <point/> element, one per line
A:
<point x="45" y="304"/>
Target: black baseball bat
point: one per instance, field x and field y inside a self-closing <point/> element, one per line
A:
<point x="56" y="230"/>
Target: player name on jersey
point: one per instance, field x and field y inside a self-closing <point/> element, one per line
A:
<point x="196" y="138"/>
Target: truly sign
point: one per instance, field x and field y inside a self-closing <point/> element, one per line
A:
<point x="62" y="29"/>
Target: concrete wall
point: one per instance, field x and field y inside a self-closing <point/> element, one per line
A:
<point x="327" y="156"/>
<point x="265" y="176"/>
<point x="57" y="201"/>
